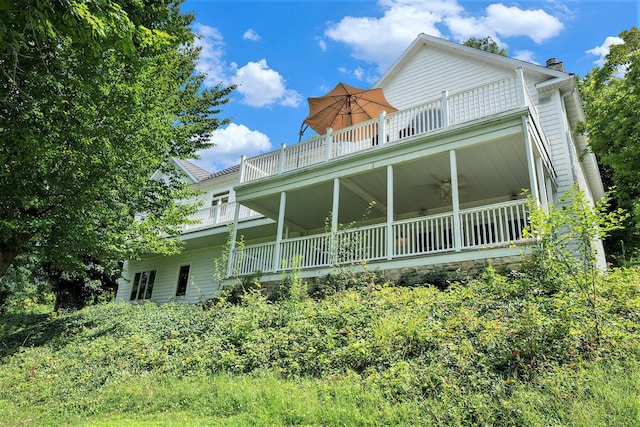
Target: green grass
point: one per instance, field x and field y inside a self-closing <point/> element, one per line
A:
<point x="494" y="351"/>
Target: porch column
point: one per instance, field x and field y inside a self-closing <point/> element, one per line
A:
<point x="328" y="142"/>
<point x="521" y="87"/>
<point x="382" y="128"/>
<point x="234" y="237"/>
<point x="455" y="201"/>
<point x="531" y="162"/>
<point x="243" y="158"/>
<point x="277" y="254"/>
<point x="541" y="184"/>
<point x="390" y="236"/>
<point x="549" y="190"/>
<point x="283" y="156"/>
<point x="333" y="248"/>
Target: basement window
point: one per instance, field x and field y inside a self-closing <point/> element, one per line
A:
<point x="142" y="286"/>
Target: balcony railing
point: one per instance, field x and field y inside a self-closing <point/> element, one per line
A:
<point x="493" y="225"/>
<point x="450" y="110"/>
<point x="219" y="215"/>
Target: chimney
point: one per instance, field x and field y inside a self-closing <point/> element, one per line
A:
<point x="554" y="64"/>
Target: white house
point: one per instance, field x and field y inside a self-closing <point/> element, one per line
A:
<point x="445" y="173"/>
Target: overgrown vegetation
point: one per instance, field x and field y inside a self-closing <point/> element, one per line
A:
<point x="473" y="353"/>
<point x="556" y="344"/>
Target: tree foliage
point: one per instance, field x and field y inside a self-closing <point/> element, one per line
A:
<point x="612" y="102"/>
<point x="487" y="44"/>
<point x="94" y="97"/>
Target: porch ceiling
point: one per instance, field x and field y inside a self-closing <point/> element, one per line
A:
<point x="486" y="172"/>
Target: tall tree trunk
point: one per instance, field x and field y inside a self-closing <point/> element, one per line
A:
<point x="8" y="254"/>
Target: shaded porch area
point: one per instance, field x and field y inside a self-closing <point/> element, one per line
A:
<point x="437" y="200"/>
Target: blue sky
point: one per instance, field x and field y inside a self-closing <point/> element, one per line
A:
<point x="281" y="52"/>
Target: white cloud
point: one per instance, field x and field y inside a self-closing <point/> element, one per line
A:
<point x="603" y="50"/>
<point x="211" y="63"/>
<point x="250" y="34"/>
<point x="512" y="21"/>
<point x="502" y="21"/>
<point x="403" y="20"/>
<point x="231" y="143"/>
<point x="359" y="73"/>
<point x="524" y="55"/>
<point x="260" y="86"/>
<point x="322" y="44"/>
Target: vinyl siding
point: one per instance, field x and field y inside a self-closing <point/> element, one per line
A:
<point x="432" y="70"/>
<point x="554" y="124"/>
<point x="201" y="282"/>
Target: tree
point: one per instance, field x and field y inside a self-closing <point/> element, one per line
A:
<point x="94" y="97"/>
<point x="612" y="101"/>
<point x="487" y="44"/>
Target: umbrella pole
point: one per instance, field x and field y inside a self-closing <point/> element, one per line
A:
<point x="303" y="128"/>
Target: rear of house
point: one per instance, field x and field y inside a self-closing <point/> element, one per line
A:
<point x="438" y="182"/>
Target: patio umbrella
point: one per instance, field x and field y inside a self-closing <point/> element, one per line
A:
<point x="345" y="106"/>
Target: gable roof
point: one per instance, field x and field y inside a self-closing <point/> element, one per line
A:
<point x="194" y="172"/>
<point x="426" y="40"/>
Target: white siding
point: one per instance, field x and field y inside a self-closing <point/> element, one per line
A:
<point x="201" y="283"/>
<point x="554" y="124"/>
<point x="433" y="70"/>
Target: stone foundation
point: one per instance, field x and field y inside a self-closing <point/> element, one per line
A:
<point x="502" y="265"/>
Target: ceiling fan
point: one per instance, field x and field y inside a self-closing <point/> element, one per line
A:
<point x="444" y="188"/>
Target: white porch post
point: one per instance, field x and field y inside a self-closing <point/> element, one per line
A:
<point x="390" y="237"/>
<point x="531" y="162"/>
<point x="333" y="250"/>
<point x="243" y="158"/>
<point x="541" y="184"/>
<point x="328" y="142"/>
<point x="336" y="205"/>
<point x="278" y="249"/>
<point x="549" y="190"/>
<point x="282" y="157"/>
<point x="382" y="128"/>
<point x="520" y="87"/>
<point x="445" y="109"/>
<point x="234" y="237"/>
<point x="455" y="200"/>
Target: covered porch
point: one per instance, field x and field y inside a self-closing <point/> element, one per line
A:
<point x="450" y="193"/>
<point x="453" y="185"/>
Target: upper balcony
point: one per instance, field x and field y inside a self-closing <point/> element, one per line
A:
<point x="218" y="215"/>
<point x="449" y="111"/>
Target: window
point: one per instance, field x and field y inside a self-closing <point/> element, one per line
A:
<point x="183" y="280"/>
<point x="221" y="210"/>
<point x="142" y="286"/>
<point x="220" y="198"/>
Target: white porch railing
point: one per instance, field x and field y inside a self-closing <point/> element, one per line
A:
<point x="494" y="225"/>
<point x="219" y="215"/>
<point x="450" y="110"/>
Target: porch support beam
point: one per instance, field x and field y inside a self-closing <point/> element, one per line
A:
<point x="531" y="163"/>
<point x="390" y="236"/>
<point x="541" y="184"/>
<point x="549" y="188"/>
<point x="278" y="249"/>
<point x="336" y="205"/>
<point x="455" y="200"/>
<point x="232" y="243"/>
<point x="335" y="208"/>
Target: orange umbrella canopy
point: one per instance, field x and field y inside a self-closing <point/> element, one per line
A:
<point x="345" y="106"/>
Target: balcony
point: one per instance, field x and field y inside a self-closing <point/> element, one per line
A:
<point x="449" y="111"/>
<point x="218" y="215"/>
<point x="495" y="225"/>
